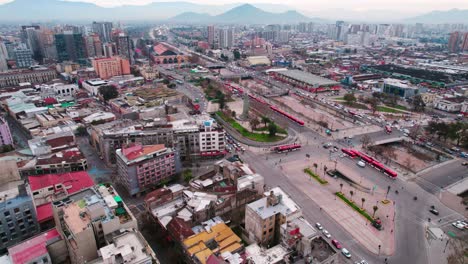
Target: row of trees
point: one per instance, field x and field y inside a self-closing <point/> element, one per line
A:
<point x="457" y="132"/>
<point x="363" y="200"/>
<point x="272" y="127"/>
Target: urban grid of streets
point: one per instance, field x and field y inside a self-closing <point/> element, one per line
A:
<point x="412" y="216"/>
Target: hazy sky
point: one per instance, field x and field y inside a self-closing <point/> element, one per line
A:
<point x="405" y="6"/>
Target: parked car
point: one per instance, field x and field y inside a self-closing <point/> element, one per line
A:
<point x="346" y="253"/>
<point x="459" y="225"/>
<point x="361" y="164"/>
<point x="326" y="233"/>
<point x="336" y="243"/>
<point x="465" y="163"/>
<point x="319" y="226"/>
<point x="434" y="211"/>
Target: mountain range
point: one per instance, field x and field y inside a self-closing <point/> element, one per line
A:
<point x="59" y="10"/>
<point x="449" y="16"/>
<point x="246" y="14"/>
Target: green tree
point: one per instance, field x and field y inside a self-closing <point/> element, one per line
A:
<point x="272" y="129"/>
<point x="418" y="103"/>
<point x="349" y="98"/>
<point x="254" y="123"/>
<point x="375" y="208"/>
<point x="236" y="54"/>
<point x="108" y="92"/>
<point x="221" y="99"/>
<point x="373" y="103"/>
<point x="81" y="131"/>
<point x="265" y="120"/>
<point x="187" y="175"/>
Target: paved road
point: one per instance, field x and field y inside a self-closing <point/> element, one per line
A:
<point x="436" y="179"/>
<point x="411" y="215"/>
<point x="97" y="169"/>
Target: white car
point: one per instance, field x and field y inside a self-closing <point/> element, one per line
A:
<point x="326" y="233"/>
<point x="346" y="253"/>
<point x="361" y="164"/>
<point x="459" y="225"/>
<point x="319" y="226"/>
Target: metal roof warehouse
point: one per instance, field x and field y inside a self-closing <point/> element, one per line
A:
<point x="307" y="78"/>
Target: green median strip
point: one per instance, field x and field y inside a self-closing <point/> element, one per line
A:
<point x="315" y="176"/>
<point x="354" y="206"/>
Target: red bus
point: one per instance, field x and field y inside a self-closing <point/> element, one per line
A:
<point x="388" y="129"/>
<point x="379" y="166"/>
<point x="286" y="148"/>
<point x="292" y="118"/>
<point x="390" y="173"/>
<point x="349" y="152"/>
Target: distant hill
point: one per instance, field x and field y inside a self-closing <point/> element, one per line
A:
<point x="439" y="17"/>
<point x="47" y="10"/>
<point x="245" y="14"/>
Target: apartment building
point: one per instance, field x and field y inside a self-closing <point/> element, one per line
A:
<point x="183" y="136"/>
<point x="141" y="167"/>
<point x="85" y="218"/>
<point x="110" y="67"/>
<point x="264" y="217"/>
<point x="5" y="134"/>
<point x="50" y="187"/>
<point x="18" y="219"/>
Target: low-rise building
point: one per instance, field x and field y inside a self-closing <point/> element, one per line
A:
<point x="93" y="85"/>
<point x="259" y="255"/>
<point x="219" y="239"/>
<point x="264" y="217"/>
<point x="452" y="106"/>
<point x="50" y="187"/>
<point x="46" y="247"/>
<point x="126" y="247"/>
<point x="141" y="167"/>
<point x="100" y="117"/>
<point x="402" y="88"/>
<point x="297" y="235"/>
<point x="37" y="75"/>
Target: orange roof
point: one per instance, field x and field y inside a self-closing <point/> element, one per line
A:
<point x="144" y="150"/>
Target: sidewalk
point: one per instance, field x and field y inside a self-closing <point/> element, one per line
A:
<point x="352" y="221"/>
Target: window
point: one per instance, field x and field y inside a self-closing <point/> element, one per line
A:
<point x="7" y="213"/>
<point x="17" y="210"/>
<point x="50" y="189"/>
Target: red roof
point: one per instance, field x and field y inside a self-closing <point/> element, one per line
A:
<point x="50" y="100"/>
<point x="44" y="212"/>
<point x="32" y="248"/>
<point x="72" y="181"/>
<point x="160" y="49"/>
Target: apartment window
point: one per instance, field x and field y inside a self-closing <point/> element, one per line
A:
<point x="7" y="213"/>
<point x="35" y="193"/>
<point x="16" y="210"/>
<point x="50" y="189"/>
